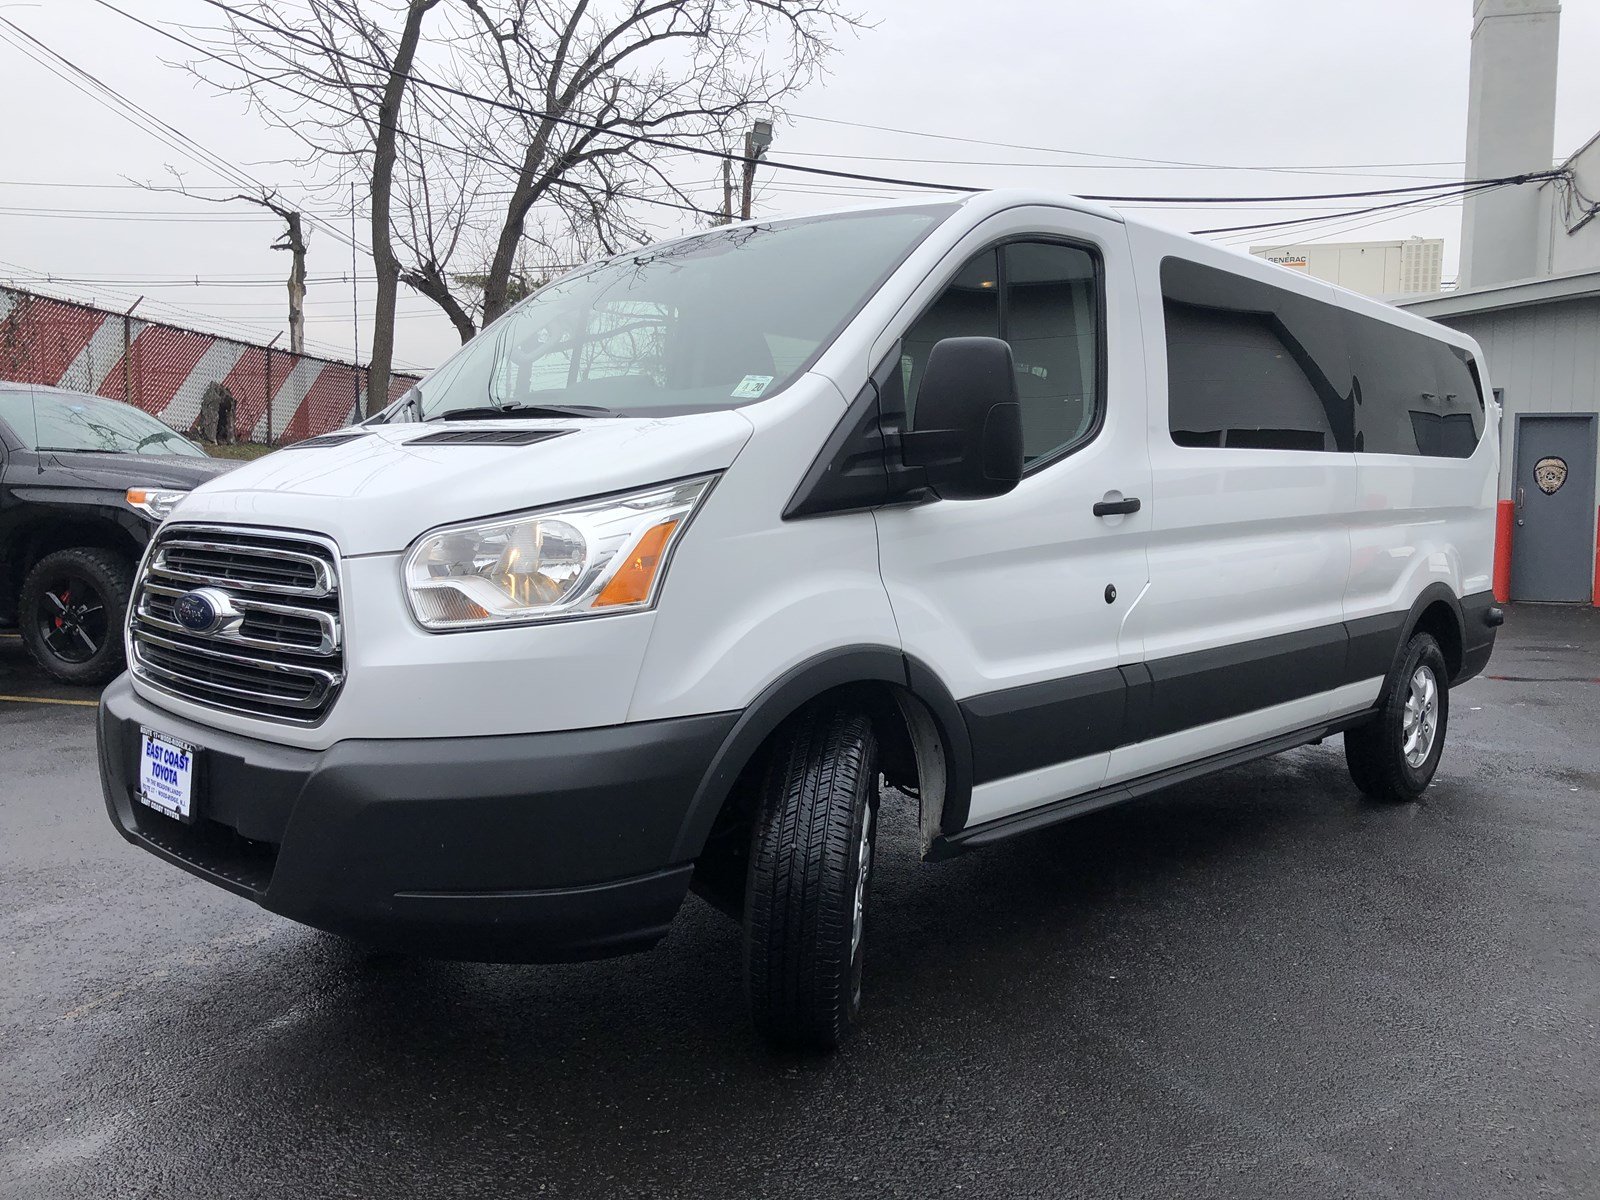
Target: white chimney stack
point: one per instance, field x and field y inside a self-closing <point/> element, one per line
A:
<point x="1511" y="118"/>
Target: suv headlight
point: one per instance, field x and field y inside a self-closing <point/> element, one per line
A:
<point x="155" y="503"/>
<point x="601" y="556"/>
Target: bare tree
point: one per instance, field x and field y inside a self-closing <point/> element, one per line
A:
<point x="517" y="133"/>
<point x="385" y="265"/>
<point x="448" y="205"/>
<point x="584" y="89"/>
<point x="293" y="240"/>
<point x="337" y="81"/>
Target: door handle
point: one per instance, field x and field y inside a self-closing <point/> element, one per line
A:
<point x="1522" y="494"/>
<point x="1116" y="508"/>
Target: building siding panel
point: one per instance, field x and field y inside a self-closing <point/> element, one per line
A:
<point x="1546" y="358"/>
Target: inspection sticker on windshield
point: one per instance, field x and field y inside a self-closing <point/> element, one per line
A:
<point x="166" y="773"/>
<point x="751" y="386"/>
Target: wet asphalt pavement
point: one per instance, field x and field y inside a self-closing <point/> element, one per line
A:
<point x="1257" y="985"/>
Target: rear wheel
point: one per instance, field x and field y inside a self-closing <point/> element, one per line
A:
<point x="1394" y="756"/>
<point x="71" y="612"/>
<point x="810" y="879"/>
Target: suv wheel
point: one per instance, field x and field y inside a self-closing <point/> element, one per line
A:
<point x="71" y="610"/>
<point x="810" y="879"/>
<point x="1393" y="757"/>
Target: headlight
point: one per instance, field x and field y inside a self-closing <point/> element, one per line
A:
<point x="155" y="503"/>
<point x="602" y="556"/>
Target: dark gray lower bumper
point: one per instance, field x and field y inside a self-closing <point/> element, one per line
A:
<point x="526" y="848"/>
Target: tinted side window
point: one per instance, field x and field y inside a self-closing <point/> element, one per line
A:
<point x="1252" y="366"/>
<point x="1050" y="318"/>
<point x="1456" y="425"/>
<point x="1414" y="395"/>
<point x="969" y="307"/>
<point x="1044" y="299"/>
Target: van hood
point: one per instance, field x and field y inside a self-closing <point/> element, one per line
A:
<point x="374" y="489"/>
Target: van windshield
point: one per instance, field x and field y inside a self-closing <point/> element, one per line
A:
<point x="712" y="321"/>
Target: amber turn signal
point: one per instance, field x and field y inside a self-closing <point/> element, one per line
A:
<point x="631" y="583"/>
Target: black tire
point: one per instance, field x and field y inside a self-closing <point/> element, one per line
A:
<point x="811" y="850"/>
<point x="71" y="613"/>
<point x="1376" y="752"/>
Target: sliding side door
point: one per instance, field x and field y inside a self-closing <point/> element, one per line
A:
<point x="1253" y="482"/>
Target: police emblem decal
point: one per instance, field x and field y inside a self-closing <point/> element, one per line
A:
<point x="1550" y="473"/>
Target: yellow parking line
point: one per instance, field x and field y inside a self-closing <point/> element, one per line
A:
<point x="48" y="700"/>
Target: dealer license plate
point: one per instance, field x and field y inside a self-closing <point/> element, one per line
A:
<point x="166" y="774"/>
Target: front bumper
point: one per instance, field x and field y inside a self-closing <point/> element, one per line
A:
<point x="521" y="848"/>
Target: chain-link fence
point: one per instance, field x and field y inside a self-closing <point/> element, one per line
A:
<point x="166" y="370"/>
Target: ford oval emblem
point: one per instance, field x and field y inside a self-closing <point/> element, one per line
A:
<point x="204" y="610"/>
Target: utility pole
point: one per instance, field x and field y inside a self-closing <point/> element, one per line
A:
<point x="127" y="351"/>
<point x="756" y="142"/>
<point x="727" y="192"/>
<point x="294" y="241"/>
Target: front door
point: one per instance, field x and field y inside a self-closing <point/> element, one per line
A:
<point x="1017" y="602"/>
<point x="1553" y="547"/>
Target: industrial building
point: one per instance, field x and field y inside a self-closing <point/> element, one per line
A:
<point x="1529" y="292"/>
<point x="1383" y="270"/>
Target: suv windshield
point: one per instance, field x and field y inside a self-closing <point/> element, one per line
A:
<point x="712" y="321"/>
<point x="47" y="420"/>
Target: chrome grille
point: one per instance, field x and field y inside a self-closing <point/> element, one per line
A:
<point x="282" y="657"/>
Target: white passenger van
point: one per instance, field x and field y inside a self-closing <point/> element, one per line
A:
<point x="1009" y="501"/>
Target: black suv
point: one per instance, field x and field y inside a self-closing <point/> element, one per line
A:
<point x="83" y="482"/>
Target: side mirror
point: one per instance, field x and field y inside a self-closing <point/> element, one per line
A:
<point x="968" y="421"/>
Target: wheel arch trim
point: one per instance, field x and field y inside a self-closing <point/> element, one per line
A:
<point x="1434" y="593"/>
<point x="804" y="682"/>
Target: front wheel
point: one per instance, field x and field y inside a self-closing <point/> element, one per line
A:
<point x="71" y="611"/>
<point x="810" y="877"/>
<point x="1393" y="757"/>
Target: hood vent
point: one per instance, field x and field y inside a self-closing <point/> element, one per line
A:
<point x="486" y="437"/>
<point x="326" y="439"/>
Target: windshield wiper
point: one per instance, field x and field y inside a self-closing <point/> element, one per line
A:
<point x="79" y="450"/>
<point x="490" y="411"/>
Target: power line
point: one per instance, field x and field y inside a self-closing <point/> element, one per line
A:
<point x="1336" y="171"/>
<point x="1345" y="225"/>
<point x="221" y="326"/>
<point x="777" y="164"/>
<point x="1130" y="158"/>
<point x="323" y="101"/>
<point x="192" y="281"/>
<point x="522" y="110"/>
<point x="782" y="187"/>
<point x="104" y="94"/>
<point x="139" y="187"/>
<point x="1480" y="187"/>
<point x="87" y="214"/>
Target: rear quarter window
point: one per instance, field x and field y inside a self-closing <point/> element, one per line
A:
<point x="1254" y="366"/>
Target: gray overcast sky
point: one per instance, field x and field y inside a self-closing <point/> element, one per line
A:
<point x="1242" y="82"/>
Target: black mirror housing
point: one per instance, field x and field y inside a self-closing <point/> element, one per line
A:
<point x="968" y="423"/>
